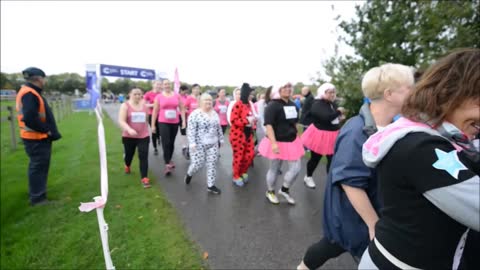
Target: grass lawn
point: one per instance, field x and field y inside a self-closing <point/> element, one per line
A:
<point x="144" y="230"/>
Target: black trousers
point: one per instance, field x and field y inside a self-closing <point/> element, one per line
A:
<point x="320" y="252"/>
<point x="39" y="152"/>
<point x="156" y="135"/>
<point x="224" y="128"/>
<point x="168" y="132"/>
<point x="129" y="145"/>
<point x="314" y="160"/>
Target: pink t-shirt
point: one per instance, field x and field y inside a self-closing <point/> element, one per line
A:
<point x="137" y="120"/>
<point x="149" y="97"/>
<point x="184" y="98"/>
<point x="221" y="109"/>
<point x="169" y="110"/>
<point x="191" y="104"/>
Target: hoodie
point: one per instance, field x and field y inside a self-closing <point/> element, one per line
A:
<point x="428" y="187"/>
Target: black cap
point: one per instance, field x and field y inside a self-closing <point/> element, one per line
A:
<point x="33" y="71"/>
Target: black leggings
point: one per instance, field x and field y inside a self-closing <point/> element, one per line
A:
<point x="168" y="132"/>
<point x="313" y="162"/>
<point x="318" y="253"/>
<point x="129" y="145"/>
<point x="224" y="128"/>
<point x="155" y="136"/>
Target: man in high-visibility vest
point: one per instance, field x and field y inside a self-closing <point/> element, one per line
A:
<point x="37" y="130"/>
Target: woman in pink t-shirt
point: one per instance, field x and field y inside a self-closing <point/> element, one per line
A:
<point x="169" y="111"/>
<point x="191" y="103"/>
<point x="149" y="98"/>
<point x="221" y="106"/>
<point x="134" y="123"/>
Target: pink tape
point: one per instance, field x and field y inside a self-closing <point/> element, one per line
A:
<point x="87" y="207"/>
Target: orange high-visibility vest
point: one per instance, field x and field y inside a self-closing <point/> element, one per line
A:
<point x="26" y="132"/>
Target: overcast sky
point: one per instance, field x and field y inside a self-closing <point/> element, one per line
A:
<point x="213" y="43"/>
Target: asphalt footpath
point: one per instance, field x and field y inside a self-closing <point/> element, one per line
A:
<point x="240" y="228"/>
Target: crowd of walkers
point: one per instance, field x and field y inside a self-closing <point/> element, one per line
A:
<point x="402" y="189"/>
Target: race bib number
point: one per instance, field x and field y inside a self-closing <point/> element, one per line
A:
<point x="223" y="109"/>
<point x="139" y="117"/>
<point x="170" y="114"/>
<point x="336" y="121"/>
<point x="290" y="112"/>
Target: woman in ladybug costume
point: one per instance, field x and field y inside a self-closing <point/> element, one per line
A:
<point x="242" y="120"/>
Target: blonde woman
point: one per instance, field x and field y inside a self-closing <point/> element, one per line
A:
<point x="169" y="112"/>
<point x="351" y="206"/>
<point x="134" y="122"/>
<point x="205" y="136"/>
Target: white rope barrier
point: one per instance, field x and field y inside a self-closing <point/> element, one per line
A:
<point x="100" y="201"/>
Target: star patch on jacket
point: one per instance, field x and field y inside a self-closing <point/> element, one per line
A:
<point x="449" y="162"/>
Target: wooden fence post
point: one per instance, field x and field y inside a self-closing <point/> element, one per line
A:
<point x="11" y="119"/>
<point x="60" y="110"/>
<point x="64" y="108"/>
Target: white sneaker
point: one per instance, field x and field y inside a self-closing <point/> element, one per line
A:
<point x="272" y="197"/>
<point x="302" y="266"/>
<point x="287" y="197"/>
<point x="309" y="182"/>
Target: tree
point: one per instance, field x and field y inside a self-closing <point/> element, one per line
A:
<point x="413" y="33"/>
<point x="5" y="82"/>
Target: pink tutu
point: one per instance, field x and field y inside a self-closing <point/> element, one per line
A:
<point x="288" y="150"/>
<point x="319" y="141"/>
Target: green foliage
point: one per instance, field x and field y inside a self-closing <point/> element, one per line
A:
<point x="5" y="82"/>
<point x="346" y="73"/>
<point x="413" y="33"/>
<point x="65" y="83"/>
<point x="12" y="81"/>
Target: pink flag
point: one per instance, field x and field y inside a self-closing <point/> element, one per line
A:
<point x="176" y="82"/>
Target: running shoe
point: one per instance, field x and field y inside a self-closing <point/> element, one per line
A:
<point x="186" y="153"/>
<point x="287" y="196"/>
<point x="146" y="182"/>
<point x="244" y="178"/>
<point x="309" y="182"/>
<point x="155" y="152"/>
<point x="127" y="169"/>
<point x="272" y="197"/>
<point x="171" y="164"/>
<point x="168" y="169"/>
<point x="187" y="179"/>
<point x="238" y="182"/>
<point x="214" y="190"/>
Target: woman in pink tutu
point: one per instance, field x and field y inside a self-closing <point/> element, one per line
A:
<point x="282" y="142"/>
<point x="320" y="136"/>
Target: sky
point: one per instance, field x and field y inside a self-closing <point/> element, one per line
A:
<point x="211" y="43"/>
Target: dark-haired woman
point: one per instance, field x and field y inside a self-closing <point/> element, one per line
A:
<point x="428" y="171"/>
<point x="133" y="120"/>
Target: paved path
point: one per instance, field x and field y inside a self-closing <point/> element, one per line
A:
<point x="239" y="228"/>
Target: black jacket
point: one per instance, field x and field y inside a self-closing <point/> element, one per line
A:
<point x="305" y="117"/>
<point x="323" y="112"/>
<point x="30" y="114"/>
